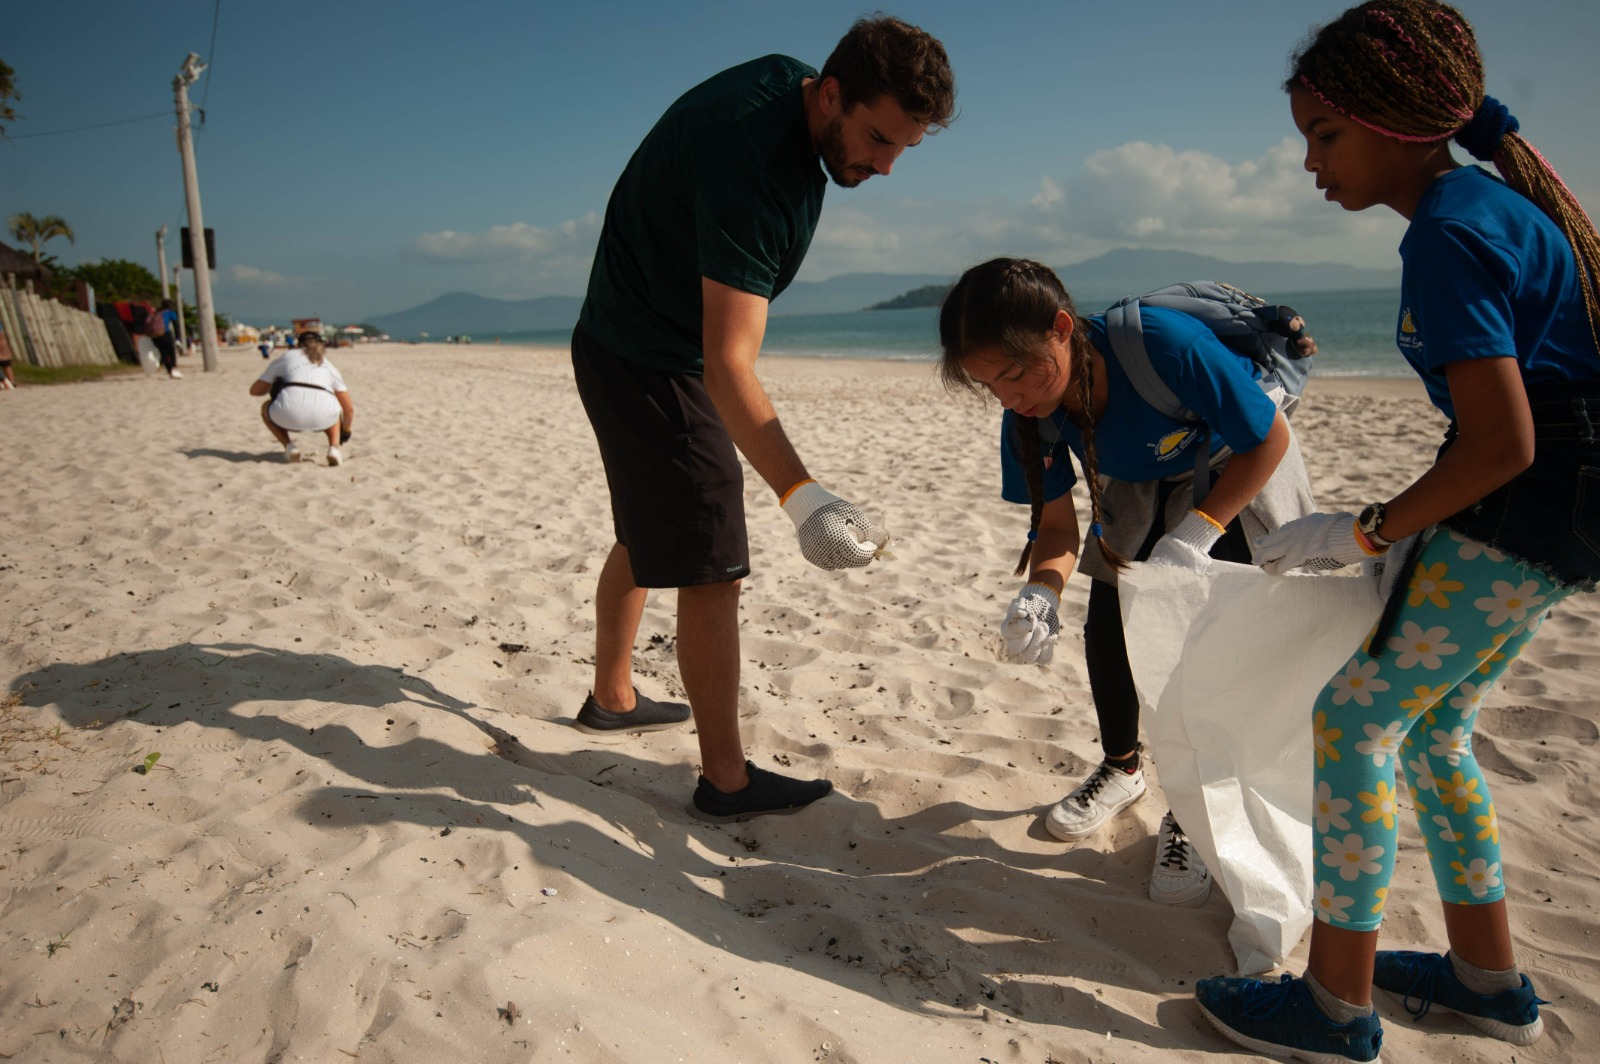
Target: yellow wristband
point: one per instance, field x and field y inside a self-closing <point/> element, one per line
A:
<point x="1367" y="545"/>
<point x="1212" y="521"/>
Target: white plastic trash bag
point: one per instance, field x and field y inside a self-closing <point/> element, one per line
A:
<point x="1228" y="666"/>
<point x="149" y="357"/>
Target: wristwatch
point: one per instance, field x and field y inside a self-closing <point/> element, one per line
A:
<point x="1368" y="523"/>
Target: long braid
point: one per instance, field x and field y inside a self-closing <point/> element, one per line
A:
<point x="1411" y="70"/>
<point x="1083" y="371"/>
<point x="1033" y="473"/>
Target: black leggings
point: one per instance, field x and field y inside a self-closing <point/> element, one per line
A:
<point x="168" y="349"/>
<point x="1116" y="700"/>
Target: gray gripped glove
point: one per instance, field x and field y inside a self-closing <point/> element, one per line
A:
<point x="1382" y="572"/>
<point x="833" y="534"/>
<point x="1032" y="623"/>
<point x="1318" y="541"/>
<point x="1188" y="546"/>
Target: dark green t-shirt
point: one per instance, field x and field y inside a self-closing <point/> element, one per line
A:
<point x="725" y="186"/>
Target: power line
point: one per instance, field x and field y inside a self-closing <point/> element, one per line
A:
<point x="80" y="129"/>
<point x="211" y="61"/>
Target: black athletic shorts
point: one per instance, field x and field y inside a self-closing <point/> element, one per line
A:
<point x="677" y="489"/>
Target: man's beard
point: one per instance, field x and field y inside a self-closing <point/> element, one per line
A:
<point x="834" y="161"/>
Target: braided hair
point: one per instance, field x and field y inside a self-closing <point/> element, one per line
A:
<point x="1411" y="70"/>
<point x="1011" y="304"/>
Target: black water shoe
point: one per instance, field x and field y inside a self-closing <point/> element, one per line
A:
<point x="646" y="715"/>
<point x="767" y="793"/>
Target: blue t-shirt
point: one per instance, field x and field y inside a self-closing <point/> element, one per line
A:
<point x="1135" y="442"/>
<point x="1487" y="274"/>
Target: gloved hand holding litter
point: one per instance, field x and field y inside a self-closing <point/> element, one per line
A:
<point x="1317" y="541"/>
<point x="1032" y="623"/>
<point x="833" y="534"/>
<point x="1189" y="545"/>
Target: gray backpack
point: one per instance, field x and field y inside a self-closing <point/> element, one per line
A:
<point x="1271" y="336"/>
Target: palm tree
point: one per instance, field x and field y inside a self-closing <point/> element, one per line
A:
<point x="36" y="231"/>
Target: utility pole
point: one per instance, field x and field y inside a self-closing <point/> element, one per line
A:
<point x="177" y="297"/>
<point x="188" y="75"/>
<point x="161" y="257"/>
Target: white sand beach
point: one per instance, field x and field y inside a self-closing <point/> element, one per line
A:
<point x="373" y="834"/>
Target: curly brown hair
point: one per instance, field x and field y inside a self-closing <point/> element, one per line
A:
<point x="883" y="56"/>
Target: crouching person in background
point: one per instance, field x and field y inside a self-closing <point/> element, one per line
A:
<point x="307" y="394"/>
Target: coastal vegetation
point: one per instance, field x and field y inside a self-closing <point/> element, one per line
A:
<point x="115" y="279"/>
<point x="929" y="295"/>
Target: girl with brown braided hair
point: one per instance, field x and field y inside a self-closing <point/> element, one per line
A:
<point x="1010" y="327"/>
<point x="1500" y="317"/>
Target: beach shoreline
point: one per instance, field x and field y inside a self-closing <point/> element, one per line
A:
<point x="371" y="830"/>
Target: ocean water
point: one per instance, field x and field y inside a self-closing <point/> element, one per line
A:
<point x="1354" y="331"/>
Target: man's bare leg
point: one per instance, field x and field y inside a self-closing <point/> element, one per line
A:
<point x="618" y="606"/>
<point x="708" y="662"/>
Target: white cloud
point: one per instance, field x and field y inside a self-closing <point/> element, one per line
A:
<point x="251" y="277"/>
<point x="1268" y="207"/>
<point x="1049" y="195"/>
<point x="1140" y="190"/>
<point x="518" y="241"/>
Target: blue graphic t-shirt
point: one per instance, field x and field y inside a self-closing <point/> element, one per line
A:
<point x="1487" y="274"/>
<point x="1134" y="442"/>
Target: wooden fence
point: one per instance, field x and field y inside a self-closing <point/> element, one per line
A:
<point x="46" y="333"/>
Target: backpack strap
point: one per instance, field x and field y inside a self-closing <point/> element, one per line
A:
<point x="1125" y="330"/>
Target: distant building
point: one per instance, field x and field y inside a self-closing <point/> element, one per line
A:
<point x="23" y="267"/>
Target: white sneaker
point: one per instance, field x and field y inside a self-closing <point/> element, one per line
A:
<point x="175" y="374"/>
<point x="334" y="456"/>
<point x="291" y="453"/>
<point x="1180" y="877"/>
<point x="1107" y="792"/>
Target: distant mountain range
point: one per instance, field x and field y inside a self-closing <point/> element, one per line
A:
<point x="1116" y="273"/>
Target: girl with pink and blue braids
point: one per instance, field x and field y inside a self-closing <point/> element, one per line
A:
<point x="1500" y="318"/>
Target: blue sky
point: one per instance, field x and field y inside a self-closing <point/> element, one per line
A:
<point x="361" y="158"/>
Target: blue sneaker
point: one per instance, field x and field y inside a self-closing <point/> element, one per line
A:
<point x="1423" y="980"/>
<point x="1282" y="1020"/>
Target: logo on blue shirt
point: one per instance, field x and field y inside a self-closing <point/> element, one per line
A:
<point x="1408" y="338"/>
<point x="1173" y="443"/>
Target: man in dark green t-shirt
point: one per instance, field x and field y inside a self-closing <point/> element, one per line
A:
<point x="708" y="223"/>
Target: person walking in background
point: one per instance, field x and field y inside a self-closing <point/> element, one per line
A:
<point x="1009" y="327"/>
<point x="1500" y="317"/>
<point x="708" y="223"/>
<point x="164" y="334"/>
<point x="307" y="394"/>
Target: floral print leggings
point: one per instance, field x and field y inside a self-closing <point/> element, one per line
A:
<point x="1469" y="611"/>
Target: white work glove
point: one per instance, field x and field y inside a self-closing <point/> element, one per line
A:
<point x="1032" y="623"/>
<point x="1317" y="541"/>
<point x="1189" y="545"/>
<point x="1382" y="572"/>
<point x="833" y="533"/>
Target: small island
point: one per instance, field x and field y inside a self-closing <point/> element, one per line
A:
<point x="929" y="295"/>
